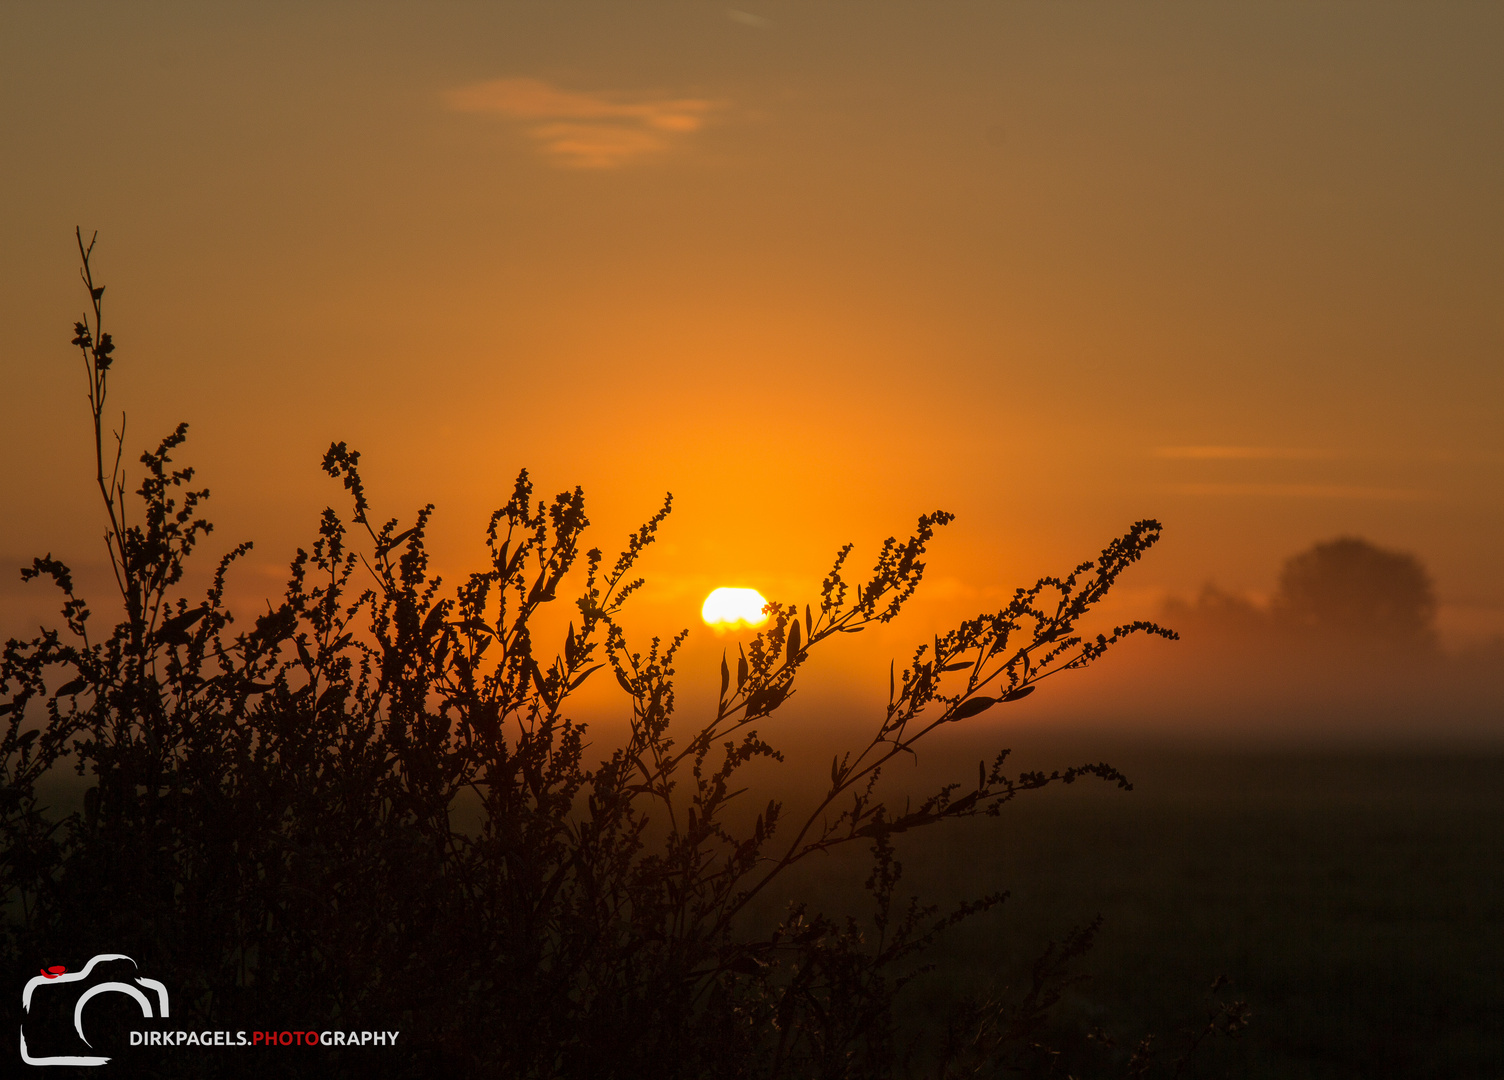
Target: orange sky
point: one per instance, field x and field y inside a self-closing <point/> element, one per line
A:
<point x="815" y="269"/>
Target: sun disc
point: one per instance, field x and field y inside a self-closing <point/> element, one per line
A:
<point x="728" y="608"/>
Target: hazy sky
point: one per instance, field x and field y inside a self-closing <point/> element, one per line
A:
<point x="814" y="268"/>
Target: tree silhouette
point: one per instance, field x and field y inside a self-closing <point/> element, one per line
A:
<point x="1348" y="588"/>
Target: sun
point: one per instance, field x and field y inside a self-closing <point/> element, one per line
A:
<point x="729" y="608"/>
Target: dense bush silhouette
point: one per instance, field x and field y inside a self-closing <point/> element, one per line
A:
<point x="272" y="813"/>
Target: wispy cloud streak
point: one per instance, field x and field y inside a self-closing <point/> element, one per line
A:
<point x="586" y="130"/>
<point x="1242" y="453"/>
<point x="1304" y="491"/>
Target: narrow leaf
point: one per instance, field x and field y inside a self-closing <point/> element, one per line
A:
<point x="973" y="707"/>
<point x="334" y="692"/>
<point x="767" y="699"/>
<point x="725" y="675"/>
<point x="382" y="549"/>
<point x="1021" y="692"/>
<point x="433" y="621"/>
<point x="179" y="624"/>
<point x="585" y="675"/>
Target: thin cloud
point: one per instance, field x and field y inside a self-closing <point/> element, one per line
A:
<point x="746" y="18"/>
<point x="586" y="130"/>
<point x="1303" y="491"/>
<point x="1242" y="453"/>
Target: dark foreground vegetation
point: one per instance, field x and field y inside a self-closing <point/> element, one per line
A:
<point x="271" y="816"/>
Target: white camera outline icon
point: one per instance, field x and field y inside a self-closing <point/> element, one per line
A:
<point x="88" y="995"/>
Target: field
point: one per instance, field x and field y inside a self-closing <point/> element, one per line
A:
<point x="1355" y="901"/>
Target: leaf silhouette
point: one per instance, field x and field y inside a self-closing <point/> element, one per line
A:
<point x="972" y="707"/>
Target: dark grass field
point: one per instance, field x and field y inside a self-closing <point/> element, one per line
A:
<point x="1355" y="901"/>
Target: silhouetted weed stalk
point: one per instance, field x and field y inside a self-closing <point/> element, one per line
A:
<point x="270" y="820"/>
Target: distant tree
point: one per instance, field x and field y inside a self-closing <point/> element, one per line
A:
<point x="1348" y="588"/>
<point x="1217" y="615"/>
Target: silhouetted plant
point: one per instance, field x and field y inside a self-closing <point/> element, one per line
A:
<point x="274" y="813"/>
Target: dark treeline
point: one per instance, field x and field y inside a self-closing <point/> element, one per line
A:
<point x="1345" y="593"/>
